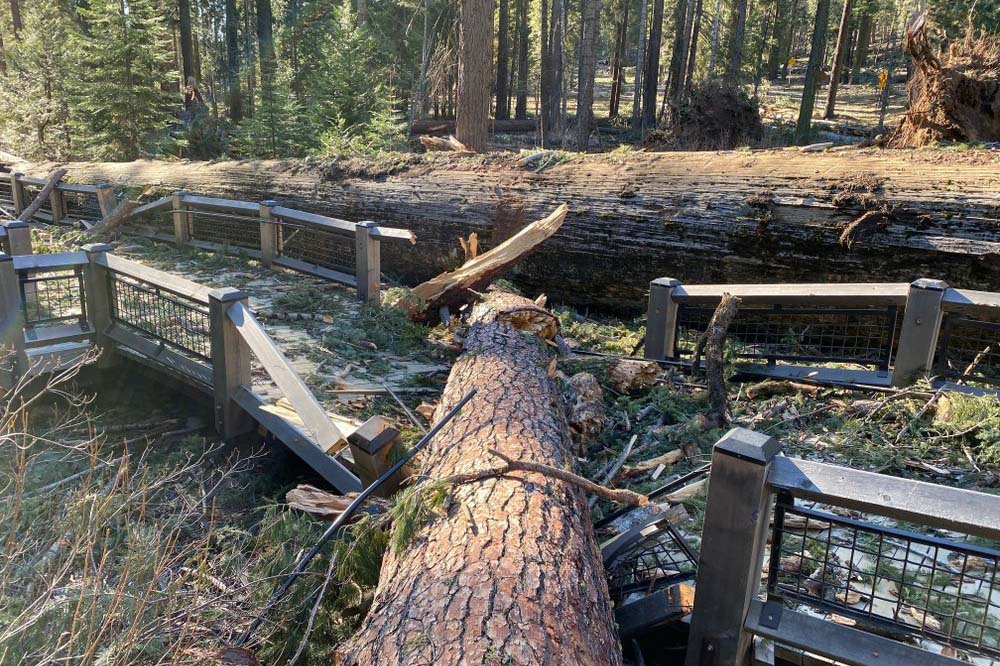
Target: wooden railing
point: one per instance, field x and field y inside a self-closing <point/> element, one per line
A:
<point x="86" y="204"/>
<point x="856" y="571"/>
<point x="56" y="309"/>
<point x="334" y="249"/>
<point x="876" y="334"/>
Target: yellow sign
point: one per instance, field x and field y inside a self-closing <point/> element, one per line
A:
<point x="791" y="62"/>
<point x="883" y="78"/>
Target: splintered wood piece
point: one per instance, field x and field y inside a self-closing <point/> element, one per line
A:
<point x="668" y="458"/>
<point x="439" y="144"/>
<point x="453" y="288"/>
<point x="515" y="545"/>
<point x="326" y="505"/>
<point x="628" y="375"/>
<point x="586" y="411"/>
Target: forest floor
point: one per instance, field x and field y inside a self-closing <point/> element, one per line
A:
<point x="170" y="540"/>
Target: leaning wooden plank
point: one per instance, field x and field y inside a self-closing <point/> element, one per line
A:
<point x="454" y="287"/>
<point x="329" y="438"/>
<point x="511" y="573"/>
<point x="222" y="204"/>
<point x="121" y="214"/>
<point x="162" y="202"/>
<point x="298" y="441"/>
<point x="42" y="196"/>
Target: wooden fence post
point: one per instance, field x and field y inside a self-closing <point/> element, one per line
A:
<point x="57" y="202"/>
<point x="182" y="219"/>
<point x="13" y="356"/>
<point x="18" y="237"/>
<point x="368" y="259"/>
<point x="17" y="192"/>
<point x="371" y="445"/>
<point x="106" y="199"/>
<point x="230" y="364"/>
<point x="737" y="517"/>
<point x="98" y="295"/>
<point x="919" y="334"/>
<point x="661" y="320"/>
<point x="268" y="234"/>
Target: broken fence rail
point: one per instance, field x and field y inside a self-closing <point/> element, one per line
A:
<point x="863" y="567"/>
<point x="877" y="334"/>
<point x="56" y="309"/>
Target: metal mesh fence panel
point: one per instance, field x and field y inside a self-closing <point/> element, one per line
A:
<point x="658" y="559"/>
<point x="318" y="246"/>
<point x="53" y="298"/>
<point x="168" y="318"/>
<point x="887" y="580"/>
<point x="226" y="229"/>
<point x="969" y="349"/>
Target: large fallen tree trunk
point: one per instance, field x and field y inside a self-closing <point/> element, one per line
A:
<point x="769" y="216"/>
<point x="508" y="572"/>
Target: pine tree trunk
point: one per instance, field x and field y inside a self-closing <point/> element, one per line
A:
<point x="713" y="53"/>
<point x="789" y="39"/>
<point x="618" y="60"/>
<point x="187" y="41"/>
<point x="521" y="107"/>
<point x="652" y="74"/>
<point x="693" y="49"/>
<point x="545" y="76"/>
<point x="774" y="56"/>
<point x="737" y="37"/>
<point x="510" y="571"/>
<point x="803" y="127"/>
<point x="475" y="67"/>
<point x="15" y="15"/>
<point x="503" y="56"/>
<point x="557" y="46"/>
<point x="233" y="92"/>
<point x="677" y="53"/>
<point x="861" y="46"/>
<point x="839" y="57"/>
<point x="640" y="59"/>
<point x="589" y="28"/>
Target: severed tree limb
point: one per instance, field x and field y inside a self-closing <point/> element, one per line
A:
<point x="713" y="342"/>
<point x="619" y="495"/>
<point x="121" y="214"/>
<point x="43" y="195"/>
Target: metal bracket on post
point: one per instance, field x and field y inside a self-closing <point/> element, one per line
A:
<point x="919" y="334"/>
<point x="737" y="517"/>
<point x="230" y="364"/>
<point x="98" y="297"/>
<point x="106" y="199"/>
<point x="17" y="192"/>
<point x="368" y="258"/>
<point x="661" y="319"/>
<point x="182" y="219"/>
<point x="57" y="202"/>
<point x="13" y="355"/>
<point x="371" y="445"/>
<point x="18" y="237"/>
<point x="268" y="234"/>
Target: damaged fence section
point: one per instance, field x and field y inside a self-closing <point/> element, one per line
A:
<point x="853" y="566"/>
<point x="876" y="334"/>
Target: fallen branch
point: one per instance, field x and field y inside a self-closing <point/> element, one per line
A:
<point x="436" y="143"/>
<point x="121" y="214"/>
<point x="713" y="342"/>
<point x="42" y="197"/>
<point x="612" y="472"/>
<point x="618" y="495"/>
<point x="863" y="226"/>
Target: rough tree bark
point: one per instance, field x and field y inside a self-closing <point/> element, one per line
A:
<point x="861" y="46"/>
<point x="523" y="34"/>
<point x="509" y="571"/>
<point x="187" y="41"/>
<point x="737" y="37"/>
<point x="233" y="93"/>
<point x="804" y="125"/>
<point x="839" y="59"/>
<point x="475" y="66"/>
<point x="766" y="216"/>
<point x="651" y="76"/>
<point x="618" y="59"/>
<point x="503" y="60"/>
<point x="590" y="28"/>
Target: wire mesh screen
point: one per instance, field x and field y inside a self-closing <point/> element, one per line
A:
<point x="167" y="318"/>
<point x="53" y="298"/>
<point x="863" y="336"/>
<point x="317" y="246"/>
<point x="158" y="222"/>
<point x="659" y="558"/>
<point x="30" y="192"/>
<point x="226" y="229"/>
<point x="6" y="195"/>
<point x="887" y="580"/>
<point x="82" y="206"/>
<point x="969" y="349"/>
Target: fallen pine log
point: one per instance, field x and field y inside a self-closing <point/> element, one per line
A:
<point x="508" y="571"/>
<point x="767" y="216"/>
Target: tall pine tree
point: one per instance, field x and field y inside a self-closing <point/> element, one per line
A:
<point x="121" y="108"/>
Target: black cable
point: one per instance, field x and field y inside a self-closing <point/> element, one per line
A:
<point x="346" y="515"/>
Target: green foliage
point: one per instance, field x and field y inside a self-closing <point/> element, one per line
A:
<point x="120" y="108"/>
<point x="280" y="127"/>
<point x="411" y="510"/>
<point x="34" y="100"/>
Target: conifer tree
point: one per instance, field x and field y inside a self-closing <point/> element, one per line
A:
<point x="121" y="108"/>
<point x="34" y="101"/>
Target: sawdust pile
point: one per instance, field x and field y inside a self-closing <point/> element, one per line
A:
<point x="954" y="96"/>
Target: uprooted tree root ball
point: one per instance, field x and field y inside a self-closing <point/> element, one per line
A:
<point x="955" y="96"/>
<point x="716" y="116"/>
